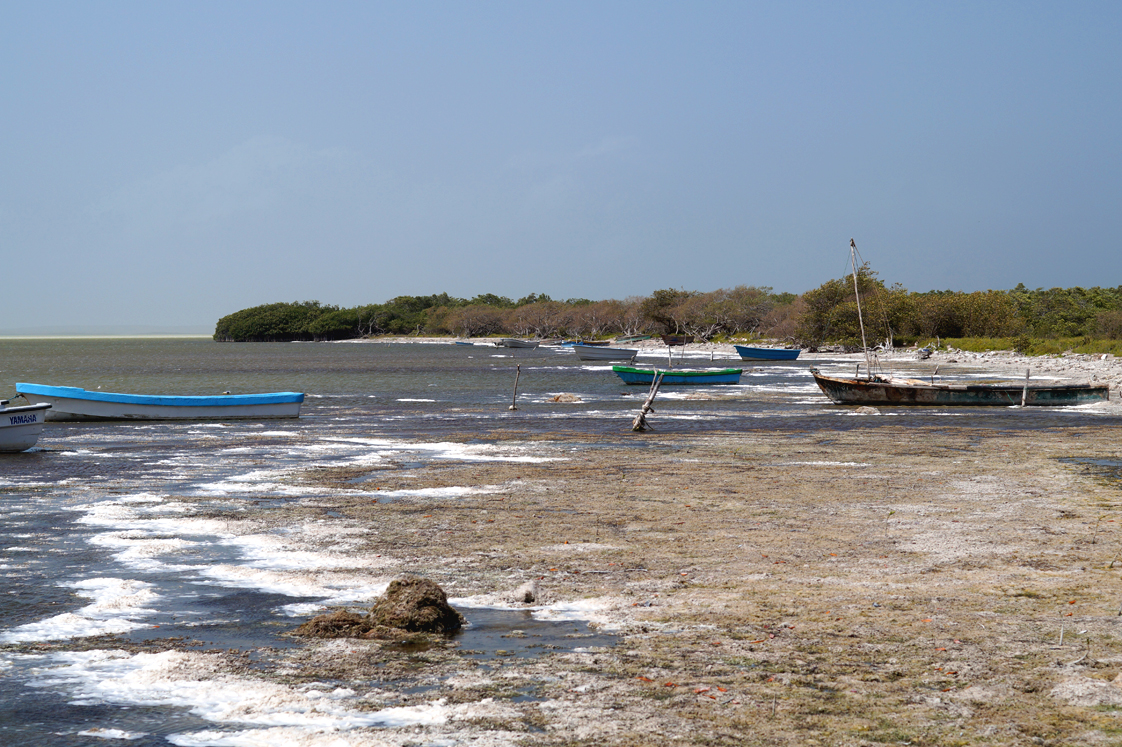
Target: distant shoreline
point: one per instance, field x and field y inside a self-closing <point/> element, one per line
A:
<point x="1103" y="368"/>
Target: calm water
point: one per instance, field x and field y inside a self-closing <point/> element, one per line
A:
<point x="424" y="390"/>
<point x="93" y="544"/>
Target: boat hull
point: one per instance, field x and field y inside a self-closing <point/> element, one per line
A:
<point x="75" y="404"/>
<point x="595" y="353"/>
<point x="703" y="378"/>
<point x="20" y="427"/>
<point x="863" y="392"/>
<point x="513" y="342"/>
<point x="766" y="354"/>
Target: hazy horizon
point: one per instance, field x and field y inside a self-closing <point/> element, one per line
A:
<point x="107" y="330"/>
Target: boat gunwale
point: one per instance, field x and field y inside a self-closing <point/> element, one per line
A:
<point x="677" y="371"/>
<point x="25" y="408"/>
<point x="160" y="400"/>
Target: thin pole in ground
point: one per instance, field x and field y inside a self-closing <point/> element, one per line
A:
<point x="514" y="400"/>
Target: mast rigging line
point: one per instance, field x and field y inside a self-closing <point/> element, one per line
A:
<point x="857" y="293"/>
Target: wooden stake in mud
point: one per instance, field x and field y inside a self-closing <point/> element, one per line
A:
<point x="514" y="402"/>
<point x="1024" y="392"/>
<point x="640" y="422"/>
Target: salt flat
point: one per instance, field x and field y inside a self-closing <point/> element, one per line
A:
<point x="936" y="585"/>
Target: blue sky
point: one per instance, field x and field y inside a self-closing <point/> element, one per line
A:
<point x="170" y="163"/>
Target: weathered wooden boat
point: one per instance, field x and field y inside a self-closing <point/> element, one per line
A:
<point x="679" y="376"/>
<point x="73" y="403"/>
<point x="882" y="390"/>
<point x="767" y="354"/>
<point x="876" y="388"/>
<point x="598" y="353"/>
<point x="21" y="426"/>
<point x="675" y="340"/>
<point x="515" y="342"/>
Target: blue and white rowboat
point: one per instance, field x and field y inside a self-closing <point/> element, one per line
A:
<point x="20" y="426"/>
<point x="73" y="403"/>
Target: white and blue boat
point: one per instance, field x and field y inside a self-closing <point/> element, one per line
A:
<point x="601" y="353"/>
<point x="516" y="342"/>
<point x="20" y="426"/>
<point x="767" y="354"/>
<point x="70" y="403"/>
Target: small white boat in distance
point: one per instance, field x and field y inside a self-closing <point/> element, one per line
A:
<point x="516" y="342"/>
<point x="72" y="403"/>
<point x="20" y="426"/>
<point x="597" y="353"/>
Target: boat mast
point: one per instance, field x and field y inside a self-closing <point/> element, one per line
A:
<point x="860" y="320"/>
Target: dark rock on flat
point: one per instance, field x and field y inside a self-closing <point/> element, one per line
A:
<point x="417" y="605"/>
<point x="338" y="624"/>
<point x="398" y="635"/>
<point x="410" y="606"/>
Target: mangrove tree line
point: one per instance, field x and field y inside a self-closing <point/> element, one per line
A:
<point x="826" y="315"/>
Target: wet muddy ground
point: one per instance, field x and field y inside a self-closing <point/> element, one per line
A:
<point x="885" y="585"/>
